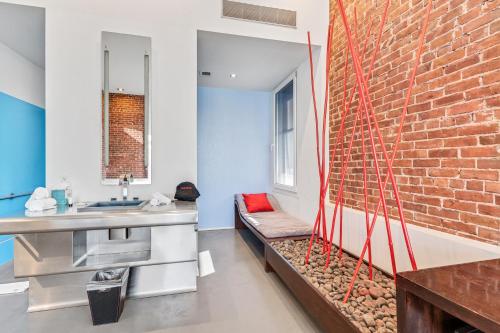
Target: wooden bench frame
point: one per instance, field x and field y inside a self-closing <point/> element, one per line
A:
<point x="324" y="313"/>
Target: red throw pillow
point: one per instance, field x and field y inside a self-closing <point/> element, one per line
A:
<point x="257" y="203"/>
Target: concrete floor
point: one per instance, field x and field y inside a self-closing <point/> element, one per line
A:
<point x="238" y="297"/>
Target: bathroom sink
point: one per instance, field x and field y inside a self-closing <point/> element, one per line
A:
<point x="113" y="205"/>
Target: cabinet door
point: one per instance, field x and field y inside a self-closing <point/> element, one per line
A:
<point x="174" y="243"/>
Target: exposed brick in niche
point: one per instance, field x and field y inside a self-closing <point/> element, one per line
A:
<point x="126" y="132"/>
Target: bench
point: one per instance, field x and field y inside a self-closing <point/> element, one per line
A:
<point x="325" y="314"/>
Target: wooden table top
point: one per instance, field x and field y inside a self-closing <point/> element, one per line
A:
<point x="468" y="291"/>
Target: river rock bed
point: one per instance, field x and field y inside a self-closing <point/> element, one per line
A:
<point x="372" y="304"/>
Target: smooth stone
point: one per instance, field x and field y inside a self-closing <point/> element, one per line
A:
<point x="368" y="318"/>
<point x="376" y="292"/>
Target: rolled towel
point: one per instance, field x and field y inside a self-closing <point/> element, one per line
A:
<point x="40" y="193"/>
<point x="159" y="199"/>
<point x="40" y="205"/>
<point x="48" y="212"/>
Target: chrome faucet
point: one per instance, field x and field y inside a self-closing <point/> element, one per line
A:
<point x="124" y="182"/>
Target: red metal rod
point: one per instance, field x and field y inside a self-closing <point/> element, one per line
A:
<point x="341" y="220"/>
<point x="315" y="119"/>
<point x="398" y="137"/>
<point x="315" y="114"/>
<point x="361" y="84"/>
<point x="314" y="101"/>
<point x="316" y="228"/>
<point x="363" y="151"/>
<point x="325" y="112"/>
<point x="323" y="159"/>
<point x="365" y="192"/>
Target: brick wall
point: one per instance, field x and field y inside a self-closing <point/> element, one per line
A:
<point x="126" y="131"/>
<point x="447" y="167"/>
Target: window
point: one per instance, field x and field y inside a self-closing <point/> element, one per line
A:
<point x="284" y="134"/>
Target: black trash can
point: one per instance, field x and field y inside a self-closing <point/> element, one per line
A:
<point x="107" y="290"/>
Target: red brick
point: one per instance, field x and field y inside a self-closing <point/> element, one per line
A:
<point x="433" y="201"/>
<point x="458" y="163"/>
<point x="464" y="107"/>
<point x="460" y="205"/>
<point x="449" y="99"/>
<point x="478" y="129"/>
<point x="492" y="187"/>
<point x="422" y="163"/>
<point x="438" y="192"/>
<point x="475" y="185"/>
<point x="460" y="142"/>
<point x="443" y="153"/>
<point x="489" y="234"/>
<point x="450" y="172"/>
<point x="480" y="220"/>
<point x="489" y="139"/>
<point x="457" y="183"/>
<point x="473" y="196"/>
<point x="488" y="164"/>
<point x="478" y="152"/>
<point x="489" y="210"/>
<point x="479" y="174"/>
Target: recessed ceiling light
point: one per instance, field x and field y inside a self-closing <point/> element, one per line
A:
<point x="232" y="75"/>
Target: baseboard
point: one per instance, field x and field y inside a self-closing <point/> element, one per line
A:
<point x="215" y="228"/>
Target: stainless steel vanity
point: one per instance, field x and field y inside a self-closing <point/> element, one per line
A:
<point x="59" y="253"/>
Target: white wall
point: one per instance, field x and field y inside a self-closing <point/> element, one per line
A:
<point x="73" y="32"/>
<point x="21" y="78"/>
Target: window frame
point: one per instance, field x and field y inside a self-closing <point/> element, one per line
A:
<point x="291" y="78"/>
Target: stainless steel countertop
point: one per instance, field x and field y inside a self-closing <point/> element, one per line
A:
<point x="178" y="212"/>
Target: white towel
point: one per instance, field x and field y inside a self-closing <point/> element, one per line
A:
<point x="159" y="199"/>
<point x="34" y="205"/>
<point x="47" y="212"/>
<point x="40" y="193"/>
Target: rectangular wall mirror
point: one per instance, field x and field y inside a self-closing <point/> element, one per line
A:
<point x="126" y="108"/>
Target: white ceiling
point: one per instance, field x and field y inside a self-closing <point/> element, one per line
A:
<point x="22" y="29"/>
<point x="260" y="64"/>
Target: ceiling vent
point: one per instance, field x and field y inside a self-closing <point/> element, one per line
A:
<point x="204" y="73"/>
<point x="262" y="14"/>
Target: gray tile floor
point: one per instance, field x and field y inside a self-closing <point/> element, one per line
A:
<point x="238" y="297"/>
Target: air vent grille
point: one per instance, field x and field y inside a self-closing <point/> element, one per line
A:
<point x="263" y="14"/>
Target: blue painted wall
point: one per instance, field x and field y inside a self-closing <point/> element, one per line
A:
<point x="22" y="158"/>
<point x="234" y="138"/>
